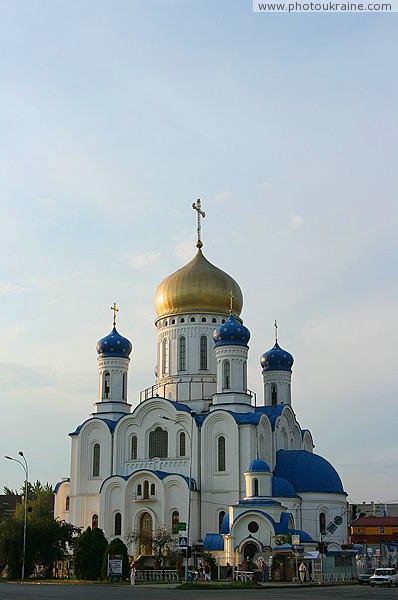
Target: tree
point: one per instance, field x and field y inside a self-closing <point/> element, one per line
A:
<point x="161" y="540"/>
<point x="117" y="547"/>
<point x="89" y="549"/>
<point x="283" y="538"/>
<point x="47" y="539"/>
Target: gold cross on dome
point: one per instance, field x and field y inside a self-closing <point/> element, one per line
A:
<point x="276" y="330"/>
<point x="115" y="310"/>
<point x="198" y="207"/>
<point x="231" y="302"/>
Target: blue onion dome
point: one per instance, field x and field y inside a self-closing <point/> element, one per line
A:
<point x="257" y="466"/>
<point x="114" y="344"/>
<point x="231" y="333"/>
<point x="277" y="359"/>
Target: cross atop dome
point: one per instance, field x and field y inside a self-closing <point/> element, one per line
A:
<point x="198" y="207"/>
<point x="115" y="310"/>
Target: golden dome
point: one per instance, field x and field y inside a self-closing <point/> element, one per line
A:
<point x="199" y="287"/>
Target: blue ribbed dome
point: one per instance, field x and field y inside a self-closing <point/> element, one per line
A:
<point x="114" y="344"/>
<point x="277" y="359"/>
<point x="257" y="466"/>
<point x="231" y="333"/>
<point x="282" y="488"/>
<point x="307" y="472"/>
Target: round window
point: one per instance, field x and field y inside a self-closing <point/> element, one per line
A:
<point x="253" y="527"/>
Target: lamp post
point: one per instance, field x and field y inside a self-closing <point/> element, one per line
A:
<point x="25" y="468"/>
<point x="190" y="435"/>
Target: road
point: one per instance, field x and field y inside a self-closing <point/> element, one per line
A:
<point x="102" y="592"/>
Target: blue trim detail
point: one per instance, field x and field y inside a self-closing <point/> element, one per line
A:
<point x="111" y="424"/>
<point x="213" y="542"/>
<point x="159" y="474"/>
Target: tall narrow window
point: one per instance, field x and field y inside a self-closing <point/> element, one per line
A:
<point x="67" y="502"/>
<point x="107" y="386"/>
<point x="153" y="489"/>
<point x="175" y="519"/>
<point x="96" y="460"/>
<point x="134" y="445"/>
<point x="118" y="524"/>
<point x="322" y="522"/>
<point x="227" y="375"/>
<point x="158" y="443"/>
<point x="165" y="352"/>
<point x="182" y="444"/>
<point x="145" y="533"/>
<point x="203" y="353"/>
<point x="139" y="490"/>
<point x="146" y="489"/>
<point x="245" y="376"/>
<point x="274" y="396"/>
<point x="221" y="453"/>
<point x="182" y="353"/>
<point x="255" y="487"/>
<point x="124" y="389"/>
<point x="221" y="516"/>
<point x="94" y="521"/>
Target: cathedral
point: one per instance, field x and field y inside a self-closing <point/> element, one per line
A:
<point x="200" y="454"/>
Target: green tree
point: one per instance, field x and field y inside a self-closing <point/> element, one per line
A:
<point x="283" y="538"/>
<point x="47" y="539"/>
<point x="117" y="547"/>
<point x="161" y="540"/>
<point x="89" y="549"/>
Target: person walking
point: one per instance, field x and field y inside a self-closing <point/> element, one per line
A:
<point x="132" y="574"/>
<point x="302" y="571"/>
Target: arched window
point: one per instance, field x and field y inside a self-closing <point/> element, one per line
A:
<point x="173" y="321"/>
<point x="118" y="524"/>
<point x="245" y="376"/>
<point x="158" y="443"/>
<point x="182" y="353"/>
<point x="134" y="445"/>
<point x="255" y="487"/>
<point x="139" y="490"/>
<point x="106" y="392"/>
<point x="203" y="353"/>
<point x="322" y="522"/>
<point x="214" y="320"/>
<point x="203" y="319"/>
<point x="146" y="489"/>
<point x="221" y="453"/>
<point x="226" y="375"/>
<point x="96" y="460"/>
<point x="145" y="532"/>
<point x="274" y="395"/>
<point x="182" y="444"/>
<point x="94" y="521"/>
<point x="67" y="502"/>
<point x="124" y="390"/>
<point x="153" y="489"/>
<point x="165" y="356"/>
<point x="175" y="519"/>
<point x="182" y="320"/>
<point x="221" y="516"/>
<point x="192" y="319"/>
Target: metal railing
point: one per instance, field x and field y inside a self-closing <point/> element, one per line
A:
<point x="169" y="575"/>
<point x="244" y="575"/>
<point x="173" y="388"/>
<point x="334" y="578"/>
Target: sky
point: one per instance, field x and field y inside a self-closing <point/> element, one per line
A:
<point x="114" y="118"/>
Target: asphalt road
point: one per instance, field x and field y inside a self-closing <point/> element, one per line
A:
<point x="100" y="592"/>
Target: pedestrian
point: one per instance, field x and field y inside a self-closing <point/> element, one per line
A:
<point x="302" y="570"/>
<point x="132" y="574"/>
<point x="207" y="572"/>
<point x="229" y="571"/>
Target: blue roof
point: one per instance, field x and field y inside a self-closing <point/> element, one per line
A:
<point x="58" y="485"/>
<point x="304" y="536"/>
<point x="111" y="424"/>
<point x="257" y="466"/>
<point x="225" y="528"/>
<point x="114" y="345"/>
<point x="277" y="359"/>
<point x="231" y="333"/>
<point x="213" y="541"/>
<point x="272" y="412"/>
<point x="307" y="472"/>
<point x="282" y="488"/>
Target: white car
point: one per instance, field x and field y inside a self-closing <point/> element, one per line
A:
<point x="384" y="577"/>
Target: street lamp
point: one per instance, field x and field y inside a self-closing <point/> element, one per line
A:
<point x="25" y="468"/>
<point x="190" y="435"/>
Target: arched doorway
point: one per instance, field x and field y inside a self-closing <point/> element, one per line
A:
<point x="145" y="534"/>
<point x="248" y="552"/>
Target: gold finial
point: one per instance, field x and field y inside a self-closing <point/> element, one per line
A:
<point x="115" y="310"/>
<point x="198" y="207"/>
<point x="276" y="330"/>
<point x="231" y="302"/>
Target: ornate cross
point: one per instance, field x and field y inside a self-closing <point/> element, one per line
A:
<point x="231" y="302"/>
<point x="115" y="310"/>
<point x="198" y="207"/>
<point x="276" y="330"/>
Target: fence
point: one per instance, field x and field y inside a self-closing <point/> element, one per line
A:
<point x="171" y="576"/>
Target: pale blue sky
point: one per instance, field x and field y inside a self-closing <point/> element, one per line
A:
<point x="115" y="117"/>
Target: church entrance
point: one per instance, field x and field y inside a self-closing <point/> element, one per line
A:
<point x="145" y="534"/>
<point x="248" y="552"/>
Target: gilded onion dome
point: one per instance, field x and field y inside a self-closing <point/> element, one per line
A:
<point x="199" y="287"/>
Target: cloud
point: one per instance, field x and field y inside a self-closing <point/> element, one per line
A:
<point x="183" y="250"/>
<point x="142" y="260"/>
<point x="14" y="375"/>
<point x="223" y="197"/>
<point x="52" y="208"/>
<point x="295" y="222"/>
<point x="9" y="289"/>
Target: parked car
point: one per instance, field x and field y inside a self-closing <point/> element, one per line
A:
<point x="365" y="576"/>
<point x="384" y="577"/>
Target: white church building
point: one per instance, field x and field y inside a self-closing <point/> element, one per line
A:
<point x="198" y="448"/>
